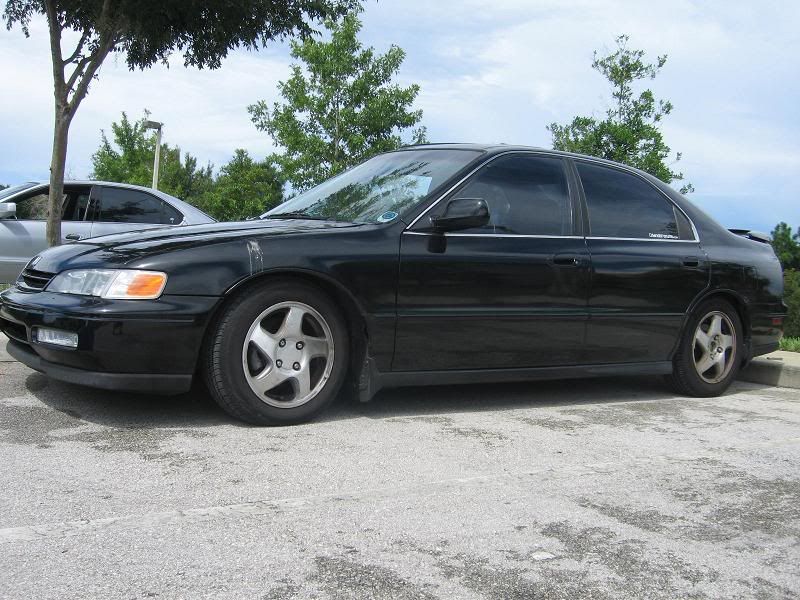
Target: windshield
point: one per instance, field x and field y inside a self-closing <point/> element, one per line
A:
<point x="379" y="190"/>
<point x="8" y="192"/>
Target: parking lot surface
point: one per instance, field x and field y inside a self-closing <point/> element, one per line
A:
<point x="596" y="488"/>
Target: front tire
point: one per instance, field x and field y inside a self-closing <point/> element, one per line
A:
<point x="710" y="353"/>
<point x="278" y="354"/>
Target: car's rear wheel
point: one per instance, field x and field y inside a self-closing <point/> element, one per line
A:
<point x="710" y="352"/>
<point x="278" y="354"/>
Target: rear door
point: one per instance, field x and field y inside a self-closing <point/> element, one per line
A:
<point x="118" y="209"/>
<point x="25" y="236"/>
<point x="508" y="295"/>
<point x="647" y="266"/>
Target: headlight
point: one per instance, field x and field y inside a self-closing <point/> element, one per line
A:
<point x="127" y="284"/>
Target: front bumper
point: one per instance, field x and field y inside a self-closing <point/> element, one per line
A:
<point x="147" y="346"/>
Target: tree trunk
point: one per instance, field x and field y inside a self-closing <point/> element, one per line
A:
<point x="57" y="165"/>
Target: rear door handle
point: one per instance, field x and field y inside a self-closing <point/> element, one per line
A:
<point x="73" y="237"/>
<point x="566" y="260"/>
<point x="691" y="261"/>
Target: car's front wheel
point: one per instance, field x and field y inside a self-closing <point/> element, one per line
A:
<point x="709" y="356"/>
<point x="278" y="355"/>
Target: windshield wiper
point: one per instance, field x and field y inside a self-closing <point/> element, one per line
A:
<point x="298" y="214"/>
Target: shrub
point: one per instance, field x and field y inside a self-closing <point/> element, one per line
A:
<point x="791" y="295"/>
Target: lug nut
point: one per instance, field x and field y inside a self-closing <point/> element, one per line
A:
<point x="282" y="343"/>
<point x="279" y="363"/>
<point x="296" y="366"/>
<point x="300" y="345"/>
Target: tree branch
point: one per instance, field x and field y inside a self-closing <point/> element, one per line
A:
<point x="109" y="36"/>
<point x="77" y="72"/>
<point x="78" y="48"/>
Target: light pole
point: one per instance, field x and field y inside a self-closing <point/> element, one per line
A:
<point x="157" y="126"/>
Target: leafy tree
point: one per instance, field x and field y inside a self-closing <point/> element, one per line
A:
<point x="245" y="188"/>
<point x="129" y="159"/>
<point x="340" y="106"/>
<point x="630" y="133"/>
<point x="146" y="32"/>
<point x="786" y="246"/>
<point x="2" y="187"/>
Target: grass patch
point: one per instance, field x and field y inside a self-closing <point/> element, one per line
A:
<point x="4" y="286"/>
<point x="790" y="344"/>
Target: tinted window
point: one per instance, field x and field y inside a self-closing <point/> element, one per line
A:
<point x="526" y="195"/>
<point x="33" y="208"/>
<point x="171" y="216"/>
<point x="119" y="205"/>
<point x="624" y="206"/>
<point x="76" y="203"/>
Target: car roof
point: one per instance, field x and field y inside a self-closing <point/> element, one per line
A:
<point x="493" y="149"/>
<point x="184" y="207"/>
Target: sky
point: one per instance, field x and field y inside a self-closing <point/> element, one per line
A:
<point x="495" y="72"/>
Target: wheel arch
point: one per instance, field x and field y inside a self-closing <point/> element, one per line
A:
<point x="352" y="311"/>
<point x="738" y="302"/>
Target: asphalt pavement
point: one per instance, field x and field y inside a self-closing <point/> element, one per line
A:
<point x="596" y="488"/>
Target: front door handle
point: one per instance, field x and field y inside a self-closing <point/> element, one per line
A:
<point x="74" y="237"/>
<point x="566" y="260"/>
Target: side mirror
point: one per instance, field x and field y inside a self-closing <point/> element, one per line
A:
<point x="8" y="210"/>
<point x="462" y="213"/>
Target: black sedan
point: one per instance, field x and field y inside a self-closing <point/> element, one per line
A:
<point x="434" y="264"/>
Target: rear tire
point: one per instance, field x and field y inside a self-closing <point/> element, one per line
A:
<point x="278" y="355"/>
<point x="710" y="353"/>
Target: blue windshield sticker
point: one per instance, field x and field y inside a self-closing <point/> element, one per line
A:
<point x="389" y="215"/>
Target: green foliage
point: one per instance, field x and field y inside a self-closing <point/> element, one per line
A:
<point x="339" y="107"/>
<point x="630" y="133"/>
<point x="786" y="246"/>
<point x="2" y="187"/>
<point x="245" y="188"/>
<point x="791" y="296"/>
<point x="129" y="159"/>
<point x="148" y="31"/>
<point x="790" y="344"/>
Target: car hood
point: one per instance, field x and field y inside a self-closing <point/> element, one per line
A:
<point x="121" y="248"/>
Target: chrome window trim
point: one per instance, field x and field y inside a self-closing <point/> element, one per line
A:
<point x="498" y="235"/>
<point x="588" y="159"/>
<point x="624" y="239"/>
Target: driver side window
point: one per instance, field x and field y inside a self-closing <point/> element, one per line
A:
<point x="525" y="194"/>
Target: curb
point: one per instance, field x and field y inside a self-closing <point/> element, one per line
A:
<point x="774" y="369"/>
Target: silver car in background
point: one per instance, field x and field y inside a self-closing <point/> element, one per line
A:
<point x="90" y="208"/>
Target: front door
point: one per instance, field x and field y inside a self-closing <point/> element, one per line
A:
<point x="511" y="294"/>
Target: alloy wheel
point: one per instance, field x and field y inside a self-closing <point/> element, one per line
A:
<point x="714" y="348"/>
<point x="288" y="354"/>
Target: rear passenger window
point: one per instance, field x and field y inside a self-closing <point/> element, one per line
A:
<point x="622" y="205"/>
<point x="119" y="205"/>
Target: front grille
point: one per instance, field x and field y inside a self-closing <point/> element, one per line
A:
<point x="31" y="279"/>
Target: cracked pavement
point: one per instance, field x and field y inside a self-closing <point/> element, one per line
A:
<point x="597" y="488"/>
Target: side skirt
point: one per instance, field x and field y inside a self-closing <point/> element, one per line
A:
<point x="372" y="380"/>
